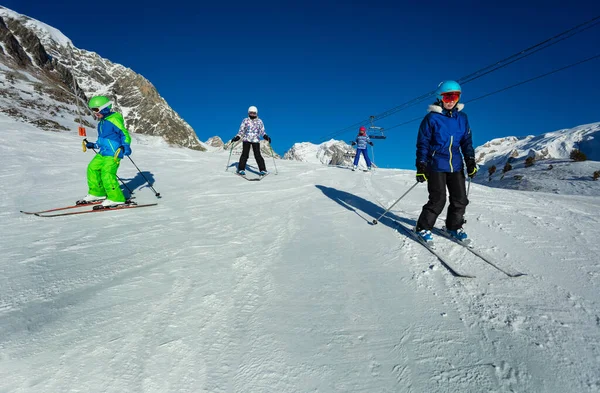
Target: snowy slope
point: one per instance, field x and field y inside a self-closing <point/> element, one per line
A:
<point x="282" y="285"/>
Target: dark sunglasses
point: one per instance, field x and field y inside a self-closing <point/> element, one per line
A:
<point x="95" y="109"/>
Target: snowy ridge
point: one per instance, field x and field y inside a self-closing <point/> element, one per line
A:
<point x="332" y="152"/>
<point x="551" y="145"/>
<point x="552" y="169"/>
<point x="49" y="36"/>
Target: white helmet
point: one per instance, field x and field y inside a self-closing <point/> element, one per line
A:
<point x="253" y="109"/>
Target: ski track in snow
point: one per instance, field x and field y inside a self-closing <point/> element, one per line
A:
<point x="284" y="286"/>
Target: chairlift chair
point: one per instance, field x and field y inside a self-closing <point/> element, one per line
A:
<point x="376" y="132"/>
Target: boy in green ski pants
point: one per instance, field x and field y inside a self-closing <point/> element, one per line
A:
<point x="113" y="144"/>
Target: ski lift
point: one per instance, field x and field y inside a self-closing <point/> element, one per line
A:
<point x="376" y="132"/>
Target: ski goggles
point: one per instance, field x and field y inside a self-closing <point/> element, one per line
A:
<point x="101" y="108"/>
<point x="450" y="97"/>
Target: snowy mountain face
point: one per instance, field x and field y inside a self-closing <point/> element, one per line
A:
<point x="37" y="65"/>
<point x="543" y="163"/>
<point x="337" y="153"/>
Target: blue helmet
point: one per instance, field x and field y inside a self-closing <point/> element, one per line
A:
<point x="447" y="87"/>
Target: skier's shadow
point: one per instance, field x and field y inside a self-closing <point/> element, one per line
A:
<point x="137" y="181"/>
<point x="355" y="204"/>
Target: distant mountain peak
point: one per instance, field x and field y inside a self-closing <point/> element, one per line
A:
<point x="332" y="152"/>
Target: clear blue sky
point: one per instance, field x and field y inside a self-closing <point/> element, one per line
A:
<point x="315" y="67"/>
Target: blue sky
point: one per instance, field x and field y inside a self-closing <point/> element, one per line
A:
<point x="313" y="68"/>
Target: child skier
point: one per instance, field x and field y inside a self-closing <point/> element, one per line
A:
<point x="443" y="135"/>
<point x="113" y="143"/>
<point x="361" y="147"/>
<point x="251" y="129"/>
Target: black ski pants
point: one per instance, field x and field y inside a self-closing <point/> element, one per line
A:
<point x="257" y="156"/>
<point x="436" y="185"/>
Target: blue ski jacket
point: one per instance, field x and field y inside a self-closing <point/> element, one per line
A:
<point x="112" y="134"/>
<point x="443" y="136"/>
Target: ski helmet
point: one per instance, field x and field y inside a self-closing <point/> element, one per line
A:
<point x="447" y="87"/>
<point x="253" y="109"/>
<point x="99" y="102"/>
<point x="362" y="129"/>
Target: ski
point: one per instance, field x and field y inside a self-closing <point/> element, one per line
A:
<point x="63" y="208"/>
<point x="471" y="248"/>
<point x="96" y="209"/>
<point x="442" y="260"/>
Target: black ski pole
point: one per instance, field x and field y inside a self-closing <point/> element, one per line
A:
<point x="156" y="193"/>
<point x="394" y="204"/>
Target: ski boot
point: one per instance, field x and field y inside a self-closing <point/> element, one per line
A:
<point x="89" y="198"/>
<point x="425" y="236"/>
<point x="459" y="235"/>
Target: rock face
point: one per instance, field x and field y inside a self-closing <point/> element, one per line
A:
<point x="215" y="141"/>
<point x="328" y="153"/>
<point x="43" y="73"/>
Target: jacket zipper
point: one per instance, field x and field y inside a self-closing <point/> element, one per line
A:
<point x="450" y="150"/>
<point x="108" y="140"/>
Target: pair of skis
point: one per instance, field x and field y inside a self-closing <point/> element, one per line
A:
<point x="409" y="232"/>
<point x="96" y="208"/>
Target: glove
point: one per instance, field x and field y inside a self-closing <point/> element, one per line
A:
<point x="471" y="167"/>
<point x="353" y="143"/>
<point x="235" y="138"/>
<point x="126" y="150"/>
<point x="421" y="172"/>
<point x="89" y="145"/>
<point x="267" y="138"/>
<point x="371" y="143"/>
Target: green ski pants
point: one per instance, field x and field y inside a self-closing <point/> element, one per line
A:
<point x="102" y="178"/>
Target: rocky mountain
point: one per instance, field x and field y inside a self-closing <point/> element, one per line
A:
<point x="215" y="141"/>
<point x="551" y="145"/>
<point x="332" y="152"/>
<point x="542" y="162"/>
<point x="43" y="73"/>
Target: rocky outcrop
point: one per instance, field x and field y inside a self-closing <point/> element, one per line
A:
<point x="40" y="56"/>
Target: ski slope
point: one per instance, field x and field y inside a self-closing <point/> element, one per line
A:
<point x="283" y="285"/>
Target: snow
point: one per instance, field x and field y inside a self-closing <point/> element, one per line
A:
<point x="553" y="170"/>
<point x="332" y="152"/>
<point x="549" y="145"/>
<point x="46" y="33"/>
<point x="283" y="285"/>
